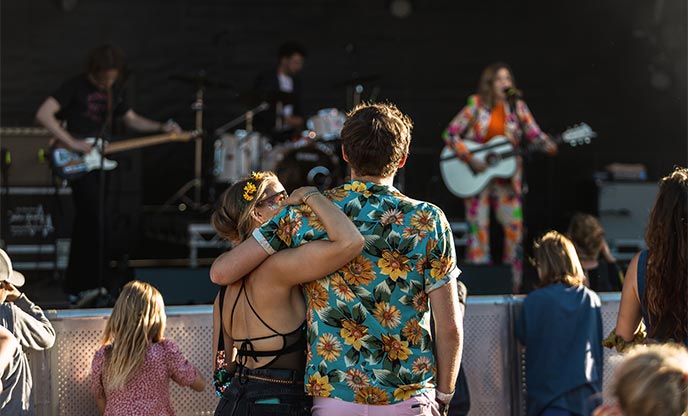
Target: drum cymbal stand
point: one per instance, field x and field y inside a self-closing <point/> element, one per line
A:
<point x="196" y="183"/>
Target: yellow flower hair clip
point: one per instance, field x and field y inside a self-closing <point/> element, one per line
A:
<point x="257" y="176"/>
<point x="249" y="190"/>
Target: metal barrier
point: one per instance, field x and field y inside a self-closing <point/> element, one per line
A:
<point x="492" y="358"/>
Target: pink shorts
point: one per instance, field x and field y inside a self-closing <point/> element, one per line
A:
<point x="423" y="404"/>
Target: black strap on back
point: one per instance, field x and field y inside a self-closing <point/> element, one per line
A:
<point x="221" y="338"/>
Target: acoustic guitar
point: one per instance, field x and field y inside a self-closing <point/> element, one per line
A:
<point x="499" y="155"/>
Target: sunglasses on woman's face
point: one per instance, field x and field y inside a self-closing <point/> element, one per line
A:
<point x="272" y="201"/>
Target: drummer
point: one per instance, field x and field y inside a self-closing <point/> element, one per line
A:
<point x="281" y="88"/>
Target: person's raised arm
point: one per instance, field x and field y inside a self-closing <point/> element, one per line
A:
<point x="143" y="124"/>
<point x="317" y="259"/>
<point x="236" y="263"/>
<point x="629" y="309"/>
<point x="45" y="116"/>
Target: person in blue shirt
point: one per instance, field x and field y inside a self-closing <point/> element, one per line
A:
<point x="560" y="326"/>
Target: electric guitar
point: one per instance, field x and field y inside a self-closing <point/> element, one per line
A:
<point x="499" y="155"/>
<point x="70" y="165"/>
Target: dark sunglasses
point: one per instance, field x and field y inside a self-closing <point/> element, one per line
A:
<point x="272" y="201"/>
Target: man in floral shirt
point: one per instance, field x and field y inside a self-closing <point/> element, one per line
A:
<point x="369" y="341"/>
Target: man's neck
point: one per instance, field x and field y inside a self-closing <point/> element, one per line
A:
<point x="388" y="181"/>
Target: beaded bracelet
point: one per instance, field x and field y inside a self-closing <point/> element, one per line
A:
<point x="308" y="195"/>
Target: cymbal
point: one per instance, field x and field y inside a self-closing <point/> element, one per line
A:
<point x="356" y="79"/>
<point x="201" y="80"/>
<point x="252" y="98"/>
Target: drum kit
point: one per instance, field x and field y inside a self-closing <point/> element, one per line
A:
<point x="309" y="157"/>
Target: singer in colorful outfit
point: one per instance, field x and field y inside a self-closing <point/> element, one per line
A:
<point x="496" y="110"/>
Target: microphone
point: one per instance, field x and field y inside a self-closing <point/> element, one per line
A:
<point x="512" y="93"/>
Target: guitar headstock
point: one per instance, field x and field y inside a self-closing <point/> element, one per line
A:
<point x="578" y="135"/>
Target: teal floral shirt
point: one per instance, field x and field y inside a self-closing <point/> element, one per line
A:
<point x="369" y="322"/>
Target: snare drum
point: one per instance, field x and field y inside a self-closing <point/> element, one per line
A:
<point x="327" y="123"/>
<point x="314" y="165"/>
<point x="237" y="155"/>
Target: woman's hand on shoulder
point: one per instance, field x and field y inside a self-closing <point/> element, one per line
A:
<point x="296" y="197"/>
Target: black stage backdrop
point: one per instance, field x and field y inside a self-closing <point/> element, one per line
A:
<point x="619" y="66"/>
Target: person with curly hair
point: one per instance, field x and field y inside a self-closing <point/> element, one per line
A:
<point x="655" y="288"/>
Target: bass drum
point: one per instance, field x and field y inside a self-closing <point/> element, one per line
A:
<point x="311" y="165"/>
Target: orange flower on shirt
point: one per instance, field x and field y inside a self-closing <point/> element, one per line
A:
<point x="423" y="221"/>
<point x="353" y="333"/>
<point x="407" y="391"/>
<point x="359" y="187"/>
<point x="395" y="348"/>
<point x="420" y="301"/>
<point x="287" y="228"/>
<point x="313" y="220"/>
<point x="329" y="347"/>
<point x="317" y="296"/>
<point x="372" y="395"/>
<point x="440" y="267"/>
<point x="336" y="194"/>
<point x="388" y="315"/>
<point x="356" y="379"/>
<point x="394" y="264"/>
<point x="341" y="289"/>
<point x="318" y="386"/>
<point x="412" y="331"/>
<point x="358" y="271"/>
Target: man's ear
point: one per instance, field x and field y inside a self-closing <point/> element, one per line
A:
<point x="403" y="161"/>
<point x="344" y="155"/>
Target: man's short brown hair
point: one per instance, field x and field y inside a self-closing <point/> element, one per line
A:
<point x="376" y="138"/>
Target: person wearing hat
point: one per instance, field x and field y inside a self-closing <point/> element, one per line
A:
<point x="32" y="330"/>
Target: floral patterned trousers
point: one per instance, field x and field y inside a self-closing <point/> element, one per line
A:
<point x="502" y="198"/>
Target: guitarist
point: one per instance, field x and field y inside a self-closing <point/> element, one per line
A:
<point x="494" y="111"/>
<point x="84" y="106"/>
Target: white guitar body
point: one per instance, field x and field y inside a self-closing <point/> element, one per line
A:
<point x="88" y="162"/>
<point x="460" y="178"/>
<point x="499" y="156"/>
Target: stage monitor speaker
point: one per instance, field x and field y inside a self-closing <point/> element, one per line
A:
<point x="180" y="286"/>
<point x="487" y="280"/>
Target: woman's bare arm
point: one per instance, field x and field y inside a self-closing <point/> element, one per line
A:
<point x="629" y="309"/>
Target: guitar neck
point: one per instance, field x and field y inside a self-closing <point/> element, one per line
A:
<point x="143" y="142"/>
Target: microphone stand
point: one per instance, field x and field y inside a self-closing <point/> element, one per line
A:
<point x="100" y="145"/>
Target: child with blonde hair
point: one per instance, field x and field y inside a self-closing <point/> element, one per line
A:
<point x="131" y="370"/>
<point x="652" y="381"/>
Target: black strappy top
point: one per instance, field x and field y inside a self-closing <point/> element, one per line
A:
<point x="290" y="356"/>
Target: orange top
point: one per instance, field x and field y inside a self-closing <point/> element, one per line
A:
<point x="497" y="122"/>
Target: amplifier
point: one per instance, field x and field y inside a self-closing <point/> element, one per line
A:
<point x="624" y="208"/>
<point x="35" y="225"/>
<point x="24" y="156"/>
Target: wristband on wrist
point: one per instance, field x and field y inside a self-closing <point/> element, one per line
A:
<point x="308" y="195"/>
<point x="443" y="397"/>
